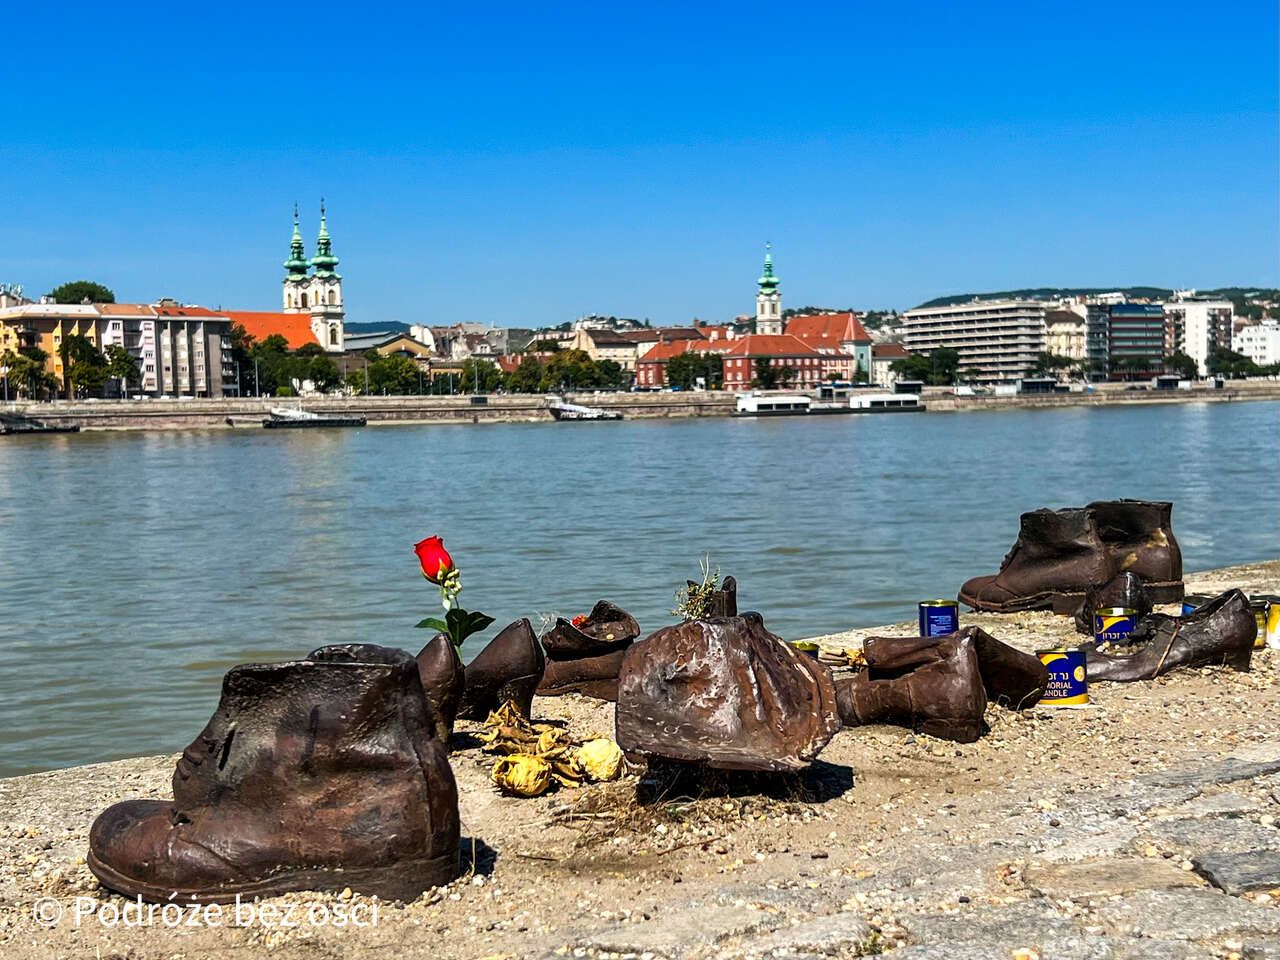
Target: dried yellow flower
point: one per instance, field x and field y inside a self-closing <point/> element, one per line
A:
<point x="522" y="774"/>
<point x="599" y="759"/>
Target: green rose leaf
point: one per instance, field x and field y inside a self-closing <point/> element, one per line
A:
<point x="462" y="624"/>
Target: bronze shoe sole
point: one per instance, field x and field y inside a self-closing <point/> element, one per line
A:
<point x="1065" y="604"/>
<point x="403" y="881"/>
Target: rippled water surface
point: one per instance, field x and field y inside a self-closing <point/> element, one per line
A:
<point x="137" y="567"/>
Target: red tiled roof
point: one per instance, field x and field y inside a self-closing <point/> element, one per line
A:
<point x="184" y="312"/>
<point x="260" y="324"/>
<point x="822" y="342"/>
<point x="769" y="345"/>
<point x="893" y="351"/>
<point x="662" y="352"/>
<point x="713" y="332"/>
<point x="840" y="326"/>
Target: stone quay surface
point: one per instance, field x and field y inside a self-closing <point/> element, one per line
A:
<point x="1144" y="826"/>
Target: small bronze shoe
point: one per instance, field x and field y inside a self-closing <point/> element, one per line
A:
<point x="1221" y="631"/>
<point x="509" y="668"/>
<point x="930" y="688"/>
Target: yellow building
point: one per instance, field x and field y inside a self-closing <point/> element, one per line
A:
<point x="605" y="345"/>
<point x="180" y="351"/>
<point x="46" y="325"/>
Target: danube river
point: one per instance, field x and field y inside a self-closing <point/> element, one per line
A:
<point x="138" y="567"/>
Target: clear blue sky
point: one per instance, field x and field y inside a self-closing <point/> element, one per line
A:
<point x="526" y="164"/>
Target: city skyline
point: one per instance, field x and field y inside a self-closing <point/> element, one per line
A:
<point x="538" y="168"/>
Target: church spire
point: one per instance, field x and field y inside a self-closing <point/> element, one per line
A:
<point x="768" y="300"/>
<point x="768" y="282"/>
<point x="324" y="261"/>
<point x="297" y="262"/>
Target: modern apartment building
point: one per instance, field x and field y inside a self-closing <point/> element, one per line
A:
<point x="996" y="339"/>
<point x="1135" y="332"/>
<point x="1260" y="342"/>
<point x="1197" y="327"/>
<point x="181" y="351"/>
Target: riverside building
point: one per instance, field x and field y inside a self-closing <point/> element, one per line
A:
<point x="181" y="351"/>
<point x="996" y="339"/>
<point x="1135" y="339"/>
<point x="1197" y="327"/>
<point x="840" y="338"/>
<point x="1260" y="342"/>
<point x="1066" y="335"/>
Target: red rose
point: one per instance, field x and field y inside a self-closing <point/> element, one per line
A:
<point x="579" y="620"/>
<point x="435" y="559"/>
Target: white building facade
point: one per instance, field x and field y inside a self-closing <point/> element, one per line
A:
<point x="996" y="339"/>
<point x="1260" y="342"/>
<point x="1197" y="327"/>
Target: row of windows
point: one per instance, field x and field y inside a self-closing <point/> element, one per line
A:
<point x="300" y="300"/>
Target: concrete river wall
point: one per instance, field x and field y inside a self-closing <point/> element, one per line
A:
<point x="180" y="414"/>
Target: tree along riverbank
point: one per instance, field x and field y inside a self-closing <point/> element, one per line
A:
<point x="1141" y="827"/>
<point x="205" y="414"/>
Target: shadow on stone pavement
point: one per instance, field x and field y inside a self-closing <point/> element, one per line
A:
<point x="666" y="781"/>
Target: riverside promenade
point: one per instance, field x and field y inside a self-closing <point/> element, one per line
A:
<point x="534" y="408"/>
<point x="1143" y="827"/>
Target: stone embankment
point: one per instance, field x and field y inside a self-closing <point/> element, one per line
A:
<point x="1144" y="826"/>
<point x="196" y="414"/>
<point x="205" y="414"/>
<point x="944" y="400"/>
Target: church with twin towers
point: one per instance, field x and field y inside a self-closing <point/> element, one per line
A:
<point x="313" y="287"/>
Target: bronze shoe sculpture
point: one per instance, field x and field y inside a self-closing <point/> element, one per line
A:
<point x="509" y="668"/>
<point x="318" y="774"/>
<point x="1221" y="631"/>
<point x="586" y="657"/>
<point x="930" y="687"/>
<point x="727" y="693"/>
<point x="1123" y="590"/>
<point x="1058" y="555"/>
<point x="1139" y="534"/>
<point x="722" y="602"/>
<point x="1010" y="677"/>
<point x="443" y="680"/>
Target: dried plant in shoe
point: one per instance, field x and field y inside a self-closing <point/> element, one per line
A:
<point x="693" y="602"/>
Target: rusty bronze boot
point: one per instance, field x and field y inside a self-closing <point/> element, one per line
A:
<point x="443" y="680"/>
<point x="318" y="774"/>
<point x="1220" y="631"/>
<point x="1058" y="555"/>
<point x="586" y="657"/>
<point x="1139" y="534"/>
<point x="1123" y="590"/>
<point x="930" y="688"/>
<point x="725" y="693"/>
<point x="722" y="602"/>
<point x="509" y="668"/>
<point x="1010" y="677"/>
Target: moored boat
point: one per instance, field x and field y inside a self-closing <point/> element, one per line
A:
<point x="285" y="418"/>
<point x="14" y="424"/>
<point x="572" y="412"/>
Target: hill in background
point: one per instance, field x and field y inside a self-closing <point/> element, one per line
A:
<point x="391" y="326"/>
<point x="1242" y="297"/>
